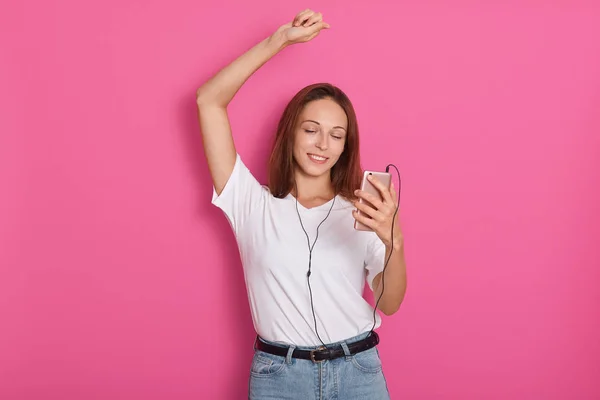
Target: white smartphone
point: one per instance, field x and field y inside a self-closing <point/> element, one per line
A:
<point x="386" y="179"/>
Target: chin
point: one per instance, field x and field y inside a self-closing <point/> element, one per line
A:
<point x="316" y="171"/>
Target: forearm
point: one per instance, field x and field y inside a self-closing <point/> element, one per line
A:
<point x="394" y="282"/>
<point x="221" y="88"/>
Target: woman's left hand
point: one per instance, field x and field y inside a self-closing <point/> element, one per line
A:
<point x="382" y="213"/>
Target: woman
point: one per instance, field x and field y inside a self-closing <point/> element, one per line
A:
<point x="305" y="265"/>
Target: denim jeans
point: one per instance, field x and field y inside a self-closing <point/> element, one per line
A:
<point x="353" y="377"/>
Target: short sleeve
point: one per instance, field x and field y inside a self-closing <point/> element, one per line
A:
<point x="375" y="258"/>
<point x="241" y="195"/>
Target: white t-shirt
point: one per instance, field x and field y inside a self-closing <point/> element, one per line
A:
<point x="274" y="253"/>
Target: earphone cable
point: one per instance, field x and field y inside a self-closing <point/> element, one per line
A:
<point x="310" y="249"/>
<point x="387" y="169"/>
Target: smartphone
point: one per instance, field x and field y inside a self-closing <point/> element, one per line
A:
<point x="386" y="179"/>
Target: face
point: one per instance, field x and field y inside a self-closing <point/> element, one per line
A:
<point x="320" y="137"/>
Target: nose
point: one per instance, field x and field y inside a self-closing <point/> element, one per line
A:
<point x="322" y="141"/>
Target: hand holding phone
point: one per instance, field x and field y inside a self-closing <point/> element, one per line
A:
<point x="370" y="191"/>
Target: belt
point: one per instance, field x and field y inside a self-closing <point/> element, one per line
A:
<point x="321" y="353"/>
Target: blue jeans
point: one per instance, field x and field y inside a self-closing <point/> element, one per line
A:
<point x="353" y="377"/>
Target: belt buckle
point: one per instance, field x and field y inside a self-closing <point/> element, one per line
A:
<point x="312" y="354"/>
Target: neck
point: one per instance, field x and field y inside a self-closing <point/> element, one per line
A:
<point x="309" y="187"/>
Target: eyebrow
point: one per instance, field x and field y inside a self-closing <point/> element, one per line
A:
<point x="310" y="120"/>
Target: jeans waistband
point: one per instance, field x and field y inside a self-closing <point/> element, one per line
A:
<point x="334" y="344"/>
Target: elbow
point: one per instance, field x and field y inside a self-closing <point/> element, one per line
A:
<point x="390" y="310"/>
<point x="207" y="100"/>
<point x="202" y="99"/>
<point x="392" y="306"/>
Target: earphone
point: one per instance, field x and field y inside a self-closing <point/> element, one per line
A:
<point x="387" y="169"/>
<point x="311" y="247"/>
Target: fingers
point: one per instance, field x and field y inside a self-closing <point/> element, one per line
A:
<point x="302" y="17"/>
<point x="371" y="223"/>
<point x="374" y="200"/>
<point x="313" y="31"/>
<point x="385" y="192"/>
<point x="316" y="17"/>
<point x="393" y="193"/>
<point x="308" y="18"/>
<point x="370" y="211"/>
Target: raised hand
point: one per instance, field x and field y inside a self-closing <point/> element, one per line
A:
<point x="305" y="26"/>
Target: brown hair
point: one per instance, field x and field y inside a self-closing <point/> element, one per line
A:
<point x="346" y="174"/>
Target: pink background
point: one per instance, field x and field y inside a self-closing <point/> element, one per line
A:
<point x="119" y="280"/>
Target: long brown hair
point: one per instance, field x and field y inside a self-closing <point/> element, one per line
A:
<point x="346" y="174"/>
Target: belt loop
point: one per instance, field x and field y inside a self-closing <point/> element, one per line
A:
<point x="288" y="358"/>
<point x="255" y="340"/>
<point x="346" y="351"/>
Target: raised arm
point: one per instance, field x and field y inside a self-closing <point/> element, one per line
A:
<point x="214" y="96"/>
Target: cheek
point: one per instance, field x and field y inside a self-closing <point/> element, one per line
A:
<point x="338" y="148"/>
<point x="301" y="141"/>
<point x="297" y="144"/>
<point x="300" y="148"/>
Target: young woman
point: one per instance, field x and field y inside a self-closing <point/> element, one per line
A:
<point x="304" y="263"/>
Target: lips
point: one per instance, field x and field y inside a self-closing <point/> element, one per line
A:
<point x="317" y="158"/>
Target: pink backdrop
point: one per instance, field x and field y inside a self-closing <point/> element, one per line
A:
<point x="119" y="280"/>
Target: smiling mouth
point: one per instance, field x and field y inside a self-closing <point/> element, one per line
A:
<point x="317" y="159"/>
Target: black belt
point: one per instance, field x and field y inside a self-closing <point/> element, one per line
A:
<point x="321" y="353"/>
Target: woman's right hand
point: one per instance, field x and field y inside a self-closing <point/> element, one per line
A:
<point x="306" y="26"/>
<point x="214" y="95"/>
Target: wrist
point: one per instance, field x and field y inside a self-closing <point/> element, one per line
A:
<point x="397" y="245"/>
<point x="278" y="41"/>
